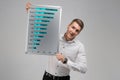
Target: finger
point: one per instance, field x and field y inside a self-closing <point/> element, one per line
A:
<point x="58" y="56"/>
<point x="28" y="5"/>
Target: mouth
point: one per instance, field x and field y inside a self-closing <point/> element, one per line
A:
<point x="71" y="36"/>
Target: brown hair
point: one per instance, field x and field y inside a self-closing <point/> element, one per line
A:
<point x="79" y="22"/>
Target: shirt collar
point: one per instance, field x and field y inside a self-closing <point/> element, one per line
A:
<point x="63" y="39"/>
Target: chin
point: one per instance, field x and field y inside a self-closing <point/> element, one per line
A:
<point x="71" y="39"/>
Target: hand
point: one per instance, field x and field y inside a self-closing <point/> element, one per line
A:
<point x="60" y="57"/>
<point x="28" y="5"/>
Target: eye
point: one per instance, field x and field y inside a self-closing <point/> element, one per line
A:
<point x="78" y="31"/>
<point x="73" y="27"/>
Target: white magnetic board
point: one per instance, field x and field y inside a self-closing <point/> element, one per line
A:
<point x="43" y="29"/>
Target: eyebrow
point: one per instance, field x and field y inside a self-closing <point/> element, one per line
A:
<point x="76" y="29"/>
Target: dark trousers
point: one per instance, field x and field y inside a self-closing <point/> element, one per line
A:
<point x="48" y="76"/>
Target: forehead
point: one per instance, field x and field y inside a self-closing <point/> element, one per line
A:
<point x="75" y="24"/>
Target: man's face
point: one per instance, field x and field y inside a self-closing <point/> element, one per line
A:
<point x="72" y="31"/>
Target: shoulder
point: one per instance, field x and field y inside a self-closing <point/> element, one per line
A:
<point x="79" y="43"/>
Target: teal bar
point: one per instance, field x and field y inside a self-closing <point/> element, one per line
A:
<point x="40" y="8"/>
<point x="36" y="28"/>
<point x="51" y="9"/>
<point x="38" y="36"/>
<point x="40" y="32"/>
<point x="38" y="21"/>
<point x="49" y="13"/>
<point x="49" y="17"/>
<point x="41" y="21"/>
<point x="36" y="32"/>
<point x="44" y="13"/>
<point x="43" y="28"/>
<point x="40" y="24"/>
<point x="39" y="13"/>
<point x="34" y="48"/>
<point x="36" y="44"/>
<point x="40" y="28"/>
<point x="38" y="16"/>
<point x="43" y="32"/>
<point x="35" y="41"/>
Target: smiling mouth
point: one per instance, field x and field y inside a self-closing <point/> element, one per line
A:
<point x="71" y="34"/>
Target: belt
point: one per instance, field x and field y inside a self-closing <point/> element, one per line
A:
<point x="46" y="74"/>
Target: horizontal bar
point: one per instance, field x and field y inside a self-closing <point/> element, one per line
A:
<point x="45" y="20"/>
<point x="36" y="44"/>
<point x="38" y="36"/>
<point x="49" y="9"/>
<point x="41" y="21"/>
<point x="44" y="13"/>
<point x="40" y="8"/>
<point x="35" y="41"/>
<point x="40" y="28"/>
<point x="34" y="47"/>
<point x="49" y="17"/>
<point x="40" y="32"/>
<point x="40" y="24"/>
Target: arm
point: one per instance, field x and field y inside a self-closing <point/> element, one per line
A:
<point x="80" y="63"/>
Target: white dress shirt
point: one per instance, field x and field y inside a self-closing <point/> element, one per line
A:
<point x="75" y="53"/>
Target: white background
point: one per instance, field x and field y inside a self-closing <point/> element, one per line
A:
<point x="100" y="37"/>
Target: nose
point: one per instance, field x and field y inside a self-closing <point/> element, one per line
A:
<point x="74" y="31"/>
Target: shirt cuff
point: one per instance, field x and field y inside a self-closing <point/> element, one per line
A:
<point x="69" y="63"/>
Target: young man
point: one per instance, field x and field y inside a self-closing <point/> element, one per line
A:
<point x="71" y="55"/>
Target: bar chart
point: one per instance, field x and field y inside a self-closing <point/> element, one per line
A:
<point x="43" y="29"/>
